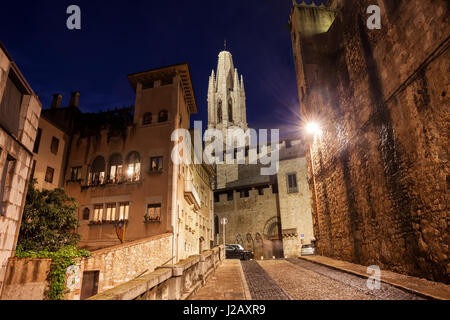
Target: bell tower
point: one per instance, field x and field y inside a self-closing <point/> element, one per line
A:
<point x="226" y="97"/>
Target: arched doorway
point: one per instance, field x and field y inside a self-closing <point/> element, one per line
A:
<point x="272" y="235"/>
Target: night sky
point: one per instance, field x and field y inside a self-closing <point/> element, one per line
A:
<point x="122" y="37"/>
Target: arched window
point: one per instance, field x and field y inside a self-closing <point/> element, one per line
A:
<point x="230" y="111"/>
<point x="115" y="168"/>
<point x="97" y="172"/>
<point x="147" y="118"/>
<point x="134" y="166"/>
<point x="219" y="112"/>
<point x="163" y="116"/>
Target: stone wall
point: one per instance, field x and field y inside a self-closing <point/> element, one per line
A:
<point x="122" y="263"/>
<point x="15" y="156"/>
<point x="170" y="282"/>
<point x="381" y="165"/>
<point x="251" y="221"/>
<point x="27" y="279"/>
<point x="295" y="207"/>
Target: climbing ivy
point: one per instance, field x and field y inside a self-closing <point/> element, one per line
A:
<point x="62" y="259"/>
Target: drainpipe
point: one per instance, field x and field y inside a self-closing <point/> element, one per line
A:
<point x="175" y="183"/>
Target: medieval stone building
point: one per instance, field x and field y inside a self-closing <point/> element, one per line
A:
<point x="381" y="170"/>
<point x="268" y="214"/>
<point x="19" y="117"/>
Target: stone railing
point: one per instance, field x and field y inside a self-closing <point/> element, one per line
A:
<point x="169" y="282"/>
<point x="27" y="279"/>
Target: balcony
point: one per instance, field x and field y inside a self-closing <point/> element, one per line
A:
<point x="191" y="195"/>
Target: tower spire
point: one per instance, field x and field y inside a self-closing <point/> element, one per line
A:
<point x="225" y="44"/>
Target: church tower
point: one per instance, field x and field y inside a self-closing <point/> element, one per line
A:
<point x="226" y="97"/>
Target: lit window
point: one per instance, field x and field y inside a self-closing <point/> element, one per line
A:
<point x="98" y="212"/>
<point x="97" y="172"/>
<point x="124" y="209"/>
<point x="156" y="164"/>
<point x="153" y="212"/>
<point x="134" y="167"/>
<point x="111" y="212"/>
<point x="115" y="168"/>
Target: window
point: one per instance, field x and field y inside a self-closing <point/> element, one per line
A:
<point x="230" y="195"/>
<point x="7" y="175"/>
<point x="134" y="167"/>
<point x="163" y="116"/>
<point x="219" y="112"/>
<point x="153" y="212"/>
<point x="110" y="212"/>
<point x="115" y="168"/>
<point x="156" y="164"/>
<point x="288" y="144"/>
<point x="75" y="174"/>
<point x="55" y="145"/>
<point x="216" y="197"/>
<point x="86" y="213"/>
<point x="147" y="118"/>
<point x="11" y="102"/>
<point x="33" y="169"/>
<point x="292" y="183"/>
<point x="49" y="175"/>
<point x="97" y="172"/>
<point x="98" y="212"/>
<point x="37" y="142"/>
<point x="261" y="191"/>
<point x="230" y="111"/>
<point x="124" y="209"/>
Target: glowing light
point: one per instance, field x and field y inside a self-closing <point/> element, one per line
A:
<point x="130" y="171"/>
<point x="313" y="128"/>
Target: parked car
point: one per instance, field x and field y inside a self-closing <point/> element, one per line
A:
<point x="236" y="251"/>
<point x="308" y="249"/>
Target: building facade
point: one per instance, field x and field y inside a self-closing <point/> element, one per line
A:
<point x="381" y="167"/>
<point x="268" y="214"/>
<point x="117" y="165"/>
<point x="19" y="117"/>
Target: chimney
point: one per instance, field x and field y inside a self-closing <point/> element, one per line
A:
<point x="74" y="99"/>
<point x="56" y="102"/>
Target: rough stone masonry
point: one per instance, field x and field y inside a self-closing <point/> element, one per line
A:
<point x="381" y="165"/>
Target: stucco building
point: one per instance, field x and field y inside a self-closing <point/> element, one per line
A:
<point x="381" y="164"/>
<point x="117" y="165"/>
<point x="19" y="117"/>
<point x="268" y="214"/>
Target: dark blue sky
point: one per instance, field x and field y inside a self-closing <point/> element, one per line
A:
<point x="122" y="37"/>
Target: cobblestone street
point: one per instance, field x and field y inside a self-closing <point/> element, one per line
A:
<point x="292" y="279"/>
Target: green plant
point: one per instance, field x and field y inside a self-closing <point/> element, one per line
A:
<point x="48" y="220"/>
<point x="62" y="259"/>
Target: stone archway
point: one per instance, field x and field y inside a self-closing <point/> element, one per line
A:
<point x="272" y="238"/>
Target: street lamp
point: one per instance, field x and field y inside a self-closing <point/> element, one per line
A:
<point x="314" y="129"/>
<point x="224" y="221"/>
